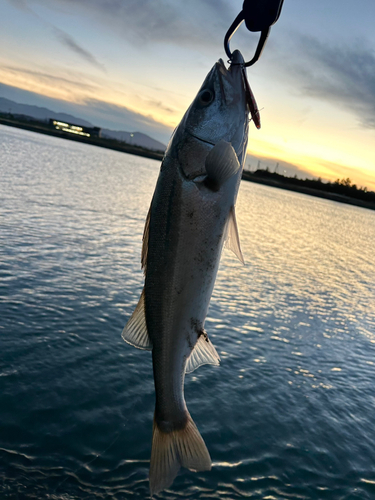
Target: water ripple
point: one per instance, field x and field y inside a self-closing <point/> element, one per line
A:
<point x="288" y="414"/>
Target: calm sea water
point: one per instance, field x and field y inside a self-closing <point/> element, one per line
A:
<point x="289" y="414"/>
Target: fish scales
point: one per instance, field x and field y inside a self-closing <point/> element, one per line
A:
<point x="190" y="217"/>
<point x="181" y="266"/>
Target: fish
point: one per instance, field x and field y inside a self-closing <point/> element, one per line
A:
<point x="191" y="216"/>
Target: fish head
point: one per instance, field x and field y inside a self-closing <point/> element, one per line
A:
<point x="219" y="112"/>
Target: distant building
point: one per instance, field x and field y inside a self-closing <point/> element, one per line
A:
<point x="75" y="129"/>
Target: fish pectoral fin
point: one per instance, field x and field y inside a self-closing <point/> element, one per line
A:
<point x="204" y="353"/>
<point x="135" y="332"/>
<point x="232" y="238"/>
<point x="221" y="163"/>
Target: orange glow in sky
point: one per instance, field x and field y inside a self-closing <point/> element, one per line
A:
<point x="125" y="72"/>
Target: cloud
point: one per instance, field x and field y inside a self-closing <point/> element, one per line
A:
<point x="19" y="4"/>
<point x="197" y="23"/>
<point x="69" y="42"/>
<point x="253" y="162"/>
<point x="341" y="75"/>
<point x="63" y="37"/>
<point x="159" y="105"/>
<point x="52" y="80"/>
<point x="114" y="116"/>
<point x="360" y="177"/>
<point x="327" y="170"/>
<point x="98" y="112"/>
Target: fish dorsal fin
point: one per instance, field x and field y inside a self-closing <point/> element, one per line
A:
<point x="221" y="163"/>
<point x="204" y="353"/>
<point x="233" y="239"/>
<point x="135" y="332"/>
<point x="145" y="242"/>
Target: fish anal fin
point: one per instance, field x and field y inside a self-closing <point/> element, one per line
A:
<point x="221" y="163"/>
<point x="233" y="239"/>
<point x="171" y="450"/>
<point x="204" y="353"/>
<point x="145" y="242"/>
<point x="135" y="332"/>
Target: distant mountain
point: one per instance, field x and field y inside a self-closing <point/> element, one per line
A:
<point x="8" y="106"/>
<point x="39" y="113"/>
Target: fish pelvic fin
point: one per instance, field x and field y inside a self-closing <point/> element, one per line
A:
<point x="172" y="450"/>
<point x="135" y="332"/>
<point x="233" y="239"/>
<point x="204" y="353"/>
<point x="221" y="164"/>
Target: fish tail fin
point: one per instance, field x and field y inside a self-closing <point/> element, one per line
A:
<point x="171" y="450"/>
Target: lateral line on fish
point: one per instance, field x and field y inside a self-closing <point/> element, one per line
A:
<point x="191" y="210"/>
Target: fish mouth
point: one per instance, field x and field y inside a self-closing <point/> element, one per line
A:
<point x="237" y="59"/>
<point x="221" y="67"/>
<point x="231" y="78"/>
<point x="236" y="63"/>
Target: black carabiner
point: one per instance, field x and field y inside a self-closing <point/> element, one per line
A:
<point x="259" y="15"/>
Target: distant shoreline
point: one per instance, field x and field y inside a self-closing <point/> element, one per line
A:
<point x="102" y="142"/>
<point x="248" y="176"/>
<point x="279" y="182"/>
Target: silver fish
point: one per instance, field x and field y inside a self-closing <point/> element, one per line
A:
<point x="190" y="217"/>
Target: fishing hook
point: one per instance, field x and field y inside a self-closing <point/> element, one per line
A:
<point x="259" y="15"/>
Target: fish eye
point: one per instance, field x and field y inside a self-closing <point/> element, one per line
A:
<point x="206" y="97"/>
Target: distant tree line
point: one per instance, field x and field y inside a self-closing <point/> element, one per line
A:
<point x="344" y="187"/>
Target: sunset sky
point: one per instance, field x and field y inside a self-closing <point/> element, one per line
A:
<point x="135" y="65"/>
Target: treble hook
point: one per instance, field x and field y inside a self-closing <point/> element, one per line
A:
<point x="259" y="15"/>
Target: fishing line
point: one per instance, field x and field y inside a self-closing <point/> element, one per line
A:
<point x="251" y="119"/>
<point x="99" y="454"/>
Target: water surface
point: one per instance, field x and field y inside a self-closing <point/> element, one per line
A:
<point x="289" y="414"/>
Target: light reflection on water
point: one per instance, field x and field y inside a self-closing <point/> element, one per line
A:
<point x="288" y="414"/>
